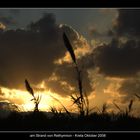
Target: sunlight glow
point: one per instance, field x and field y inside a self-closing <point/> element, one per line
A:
<point x="23" y="99"/>
<point x="2" y="26"/>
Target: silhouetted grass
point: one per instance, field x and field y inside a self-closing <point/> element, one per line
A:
<point x="41" y="121"/>
<point x="127" y="111"/>
<point x="55" y="111"/>
<point x="35" y="99"/>
<point x="79" y="99"/>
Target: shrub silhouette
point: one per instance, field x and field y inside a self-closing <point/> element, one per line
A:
<point x="127" y="111"/>
<point x="35" y="99"/>
<point x="56" y="112"/>
<point x="104" y="108"/>
<point x="79" y="99"/>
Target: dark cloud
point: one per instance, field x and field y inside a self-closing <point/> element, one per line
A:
<point x="6" y="108"/>
<point x="7" y="20"/>
<point x="66" y="80"/>
<point x="118" y="59"/>
<point x="129" y="88"/>
<point x="7" y="105"/>
<point x="63" y="73"/>
<point x="93" y="32"/>
<point x="87" y="61"/>
<point x="128" y="22"/>
<point x="31" y="53"/>
<point x="110" y="33"/>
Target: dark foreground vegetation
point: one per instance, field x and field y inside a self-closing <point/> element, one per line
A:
<point x="41" y="121"/>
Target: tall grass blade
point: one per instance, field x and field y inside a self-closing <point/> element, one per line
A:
<point x="69" y="47"/>
<point x="117" y="107"/>
<point x="86" y="102"/>
<point x="75" y="100"/>
<point x="80" y="85"/>
<point x="137" y="96"/>
<point x="80" y="100"/>
<point x="62" y="105"/>
<point x="53" y="110"/>
<point x="104" y="108"/>
<point x="130" y="106"/>
<point x="36" y="100"/>
<point x="28" y="87"/>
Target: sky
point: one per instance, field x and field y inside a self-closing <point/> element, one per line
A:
<point x="106" y="44"/>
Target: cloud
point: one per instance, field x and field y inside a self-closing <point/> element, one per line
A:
<point x="87" y="61"/>
<point x="129" y="88"/>
<point x="31" y="53"/>
<point x="64" y="80"/>
<point x="12" y="96"/>
<point x="95" y="33"/>
<point x="6" y="108"/>
<point x="127" y="22"/>
<point x="118" y="59"/>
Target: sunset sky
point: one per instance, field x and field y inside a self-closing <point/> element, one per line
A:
<point x="106" y="43"/>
